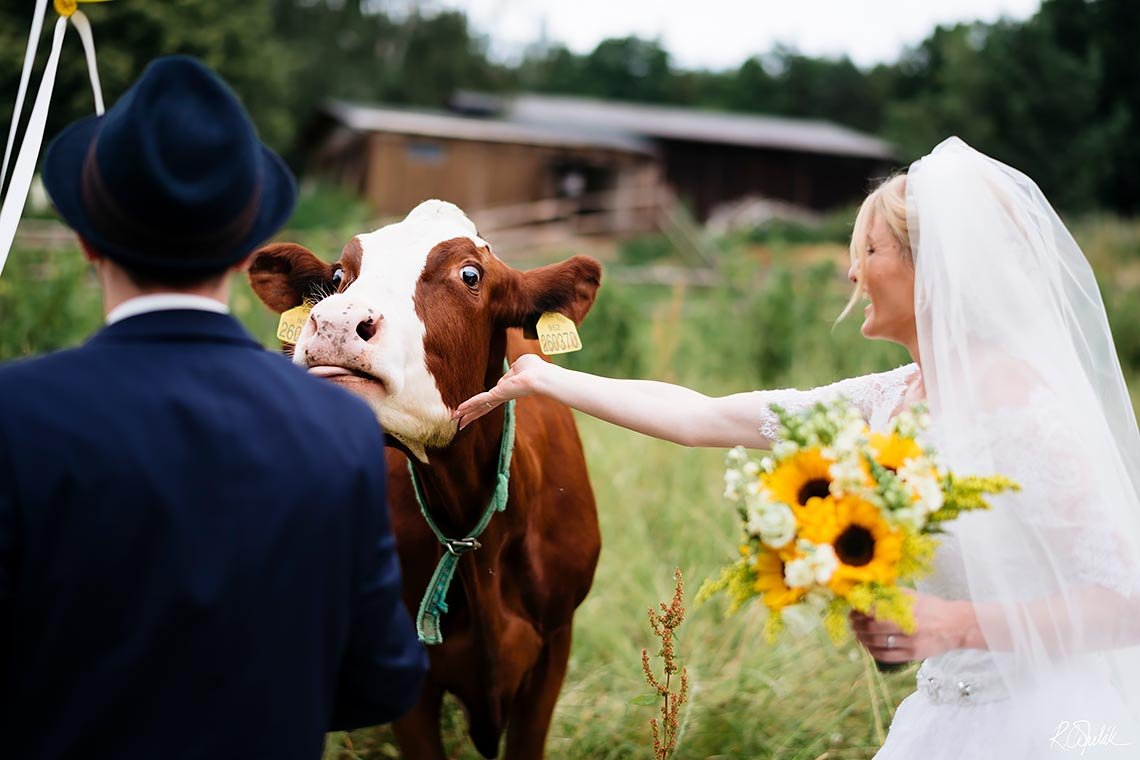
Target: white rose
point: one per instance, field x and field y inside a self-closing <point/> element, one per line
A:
<point x="776" y="525"/>
<point x="798" y="573"/>
<point x="823" y="563"/>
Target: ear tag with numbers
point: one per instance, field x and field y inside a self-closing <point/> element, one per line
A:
<point x="557" y="334"/>
<point x="292" y="322"/>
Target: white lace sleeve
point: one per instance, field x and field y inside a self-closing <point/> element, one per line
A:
<point x="1081" y="527"/>
<point x="875" y="395"/>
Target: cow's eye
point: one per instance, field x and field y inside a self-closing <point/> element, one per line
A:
<point x="470" y="276"/>
<point x="337" y="278"/>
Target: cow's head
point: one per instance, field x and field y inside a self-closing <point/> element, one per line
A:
<point x="413" y="316"/>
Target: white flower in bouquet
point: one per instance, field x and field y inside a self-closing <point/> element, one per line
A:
<point x="773" y="524"/>
<point x="847" y="476"/>
<point x="784" y="449"/>
<point x="921" y="476"/>
<point x="813" y="568"/>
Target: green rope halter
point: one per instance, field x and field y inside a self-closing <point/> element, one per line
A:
<point x="434" y="603"/>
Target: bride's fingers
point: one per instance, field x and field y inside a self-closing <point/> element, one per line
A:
<point x="468" y="412"/>
<point x="870" y="627"/>
<point x="479" y="404"/>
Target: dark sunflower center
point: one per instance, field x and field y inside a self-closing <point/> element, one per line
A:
<point x="813" y="489"/>
<point x="855" y="546"/>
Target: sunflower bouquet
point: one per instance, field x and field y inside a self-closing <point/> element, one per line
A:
<point x="837" y="517"/>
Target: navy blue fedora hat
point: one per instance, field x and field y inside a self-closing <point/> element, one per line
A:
<point x="172" y="177"/>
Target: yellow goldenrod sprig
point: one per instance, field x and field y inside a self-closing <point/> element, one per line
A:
<point x="966" y="494"/>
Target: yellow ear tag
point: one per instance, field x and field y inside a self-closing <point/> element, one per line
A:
<point x="557" y="334"/>
<point x="292" y="322"/>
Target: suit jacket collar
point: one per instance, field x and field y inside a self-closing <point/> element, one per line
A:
<point x="189" y="325"/>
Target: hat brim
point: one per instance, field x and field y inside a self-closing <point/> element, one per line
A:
<point x="62" y="173"/>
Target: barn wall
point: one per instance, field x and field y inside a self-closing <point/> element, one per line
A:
<point x="404" y="170"/>
<point x="705" y="175"/>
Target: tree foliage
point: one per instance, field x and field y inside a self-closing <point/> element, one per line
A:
<point x="1057" y="95"/>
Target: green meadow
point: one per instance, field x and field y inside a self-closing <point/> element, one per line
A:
<point x="767" y="324"/>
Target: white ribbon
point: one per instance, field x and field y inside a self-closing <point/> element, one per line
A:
<point x="25" y="167"/>
<point x="29" y="60"/>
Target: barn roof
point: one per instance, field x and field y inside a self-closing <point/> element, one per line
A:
<point x="663" y="122"/>
<point x="367" y="118"/>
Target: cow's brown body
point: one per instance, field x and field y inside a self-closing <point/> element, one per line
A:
<point x="506" y="635"/>
<point x="415" y="348"/>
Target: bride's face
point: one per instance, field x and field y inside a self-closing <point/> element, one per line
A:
<point x="888" y="284"/>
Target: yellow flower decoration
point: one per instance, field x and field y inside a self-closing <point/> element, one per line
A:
<point x="803" y="476"/>
<point x="892" y="451"/>
<point x="868" y="548"/>
<point x="769" y="570"/>
<point x="817" y="522"/>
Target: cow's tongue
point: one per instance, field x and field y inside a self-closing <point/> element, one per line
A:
<point x="328" y="371"/>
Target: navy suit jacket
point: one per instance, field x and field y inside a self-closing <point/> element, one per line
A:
<point x="195" y="554"/>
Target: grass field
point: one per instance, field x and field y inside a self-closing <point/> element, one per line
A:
<point x="768" y="326"/>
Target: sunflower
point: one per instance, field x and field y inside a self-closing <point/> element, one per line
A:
<point x="892" y="451"/>
<point x="769" y="569"/>
<point x="803" y="476"/>
<point x="867" y="547"/>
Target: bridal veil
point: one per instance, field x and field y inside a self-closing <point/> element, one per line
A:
<point x="1022" y="379"/>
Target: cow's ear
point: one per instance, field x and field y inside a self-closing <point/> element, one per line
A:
<point x="568" y="287"/>
<point x="285" y="274"/>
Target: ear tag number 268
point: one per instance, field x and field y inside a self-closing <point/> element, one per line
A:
<point x="557" y="334"/>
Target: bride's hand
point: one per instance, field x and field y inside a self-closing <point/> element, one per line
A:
<point x="941" y="626"/>
<point x="522" y="379"/>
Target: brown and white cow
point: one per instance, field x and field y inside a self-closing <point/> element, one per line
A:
<point x="416" y="317"/>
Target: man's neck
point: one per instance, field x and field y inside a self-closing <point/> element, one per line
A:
<point x="118" y="288"/>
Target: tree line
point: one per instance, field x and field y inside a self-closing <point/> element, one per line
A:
<point x="1057" y="95"/>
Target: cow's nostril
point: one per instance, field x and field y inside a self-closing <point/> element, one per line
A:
<point x="367" y="327"/>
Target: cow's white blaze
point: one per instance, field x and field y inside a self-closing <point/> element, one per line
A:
<point x="412" y="409"/>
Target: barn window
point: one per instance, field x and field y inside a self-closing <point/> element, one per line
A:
<point x="422" y="152"/>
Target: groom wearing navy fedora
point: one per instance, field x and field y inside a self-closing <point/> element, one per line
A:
<point x="195" y="554"/>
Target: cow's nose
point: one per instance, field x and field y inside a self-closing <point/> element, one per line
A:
<point x="368" y="327"/>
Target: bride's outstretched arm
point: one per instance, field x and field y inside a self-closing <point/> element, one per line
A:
<point x="662" y="410"/>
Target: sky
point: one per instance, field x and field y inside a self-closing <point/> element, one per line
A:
<point x="720" y="34"/>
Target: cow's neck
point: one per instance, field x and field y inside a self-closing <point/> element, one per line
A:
<point x="459" y="481"/>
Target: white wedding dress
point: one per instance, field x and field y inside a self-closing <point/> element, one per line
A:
<point x="962" y="708"/>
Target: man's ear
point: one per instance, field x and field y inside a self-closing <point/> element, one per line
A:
<point x="568" y="287"/>
<point x="285" y="274"/>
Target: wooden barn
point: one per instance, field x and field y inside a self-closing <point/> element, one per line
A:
<point x="616" y="164"/>
<point x="396" y="158"/>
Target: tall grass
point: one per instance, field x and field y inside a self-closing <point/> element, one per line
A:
<point x="660" y="505"/>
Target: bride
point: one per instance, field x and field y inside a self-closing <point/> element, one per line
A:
<point x="1029" y="626"/>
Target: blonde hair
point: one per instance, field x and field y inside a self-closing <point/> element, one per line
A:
<point x="887" y="201"/>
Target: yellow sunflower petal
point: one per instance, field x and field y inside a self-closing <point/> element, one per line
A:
<point x="892" y="451"/>
<point x="803" y="476"/>
<point x="769" y="570"/>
